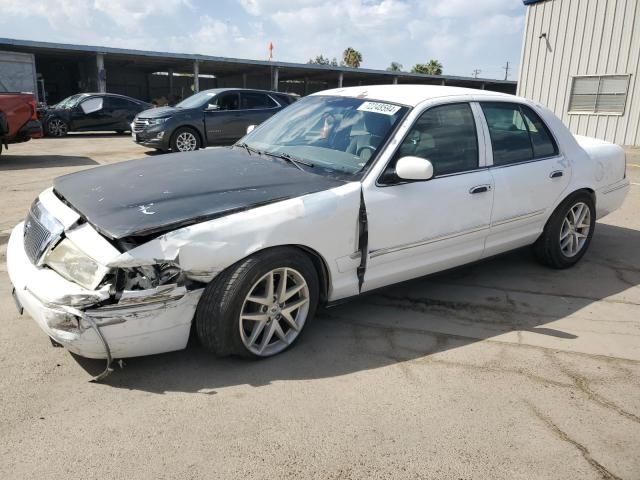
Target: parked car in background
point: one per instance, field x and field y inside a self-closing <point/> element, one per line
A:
<point x="91" y="112"/>
<point x="212" y="117"/>
<point x="18" y="118"/>
<point x="344" y="192"/>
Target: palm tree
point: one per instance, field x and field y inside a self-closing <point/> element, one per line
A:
<point x="351" y="58"/>
<point x="394" y="67"/>
<point x="434" y="67"/>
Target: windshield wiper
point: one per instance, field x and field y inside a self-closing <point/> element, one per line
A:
<point x="248" y="148"/>
<point x="285" y="156"/>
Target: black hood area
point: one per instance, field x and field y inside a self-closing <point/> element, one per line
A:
<point x="139" y="198"/>
<point x="57" y="112"/>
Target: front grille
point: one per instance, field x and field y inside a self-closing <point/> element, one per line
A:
<point x="140" y="124"/>
<point x="40" y="230"/>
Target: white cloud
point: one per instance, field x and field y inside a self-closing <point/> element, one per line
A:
<point x="471" y="8"/>
<point x="68" y="14"/>
<point x="462" y="34"/>
<point x="268" y="7"/>
<point x="130" y="13"/>
<point x="64" y="13"/>
<point x="216" y="37"/>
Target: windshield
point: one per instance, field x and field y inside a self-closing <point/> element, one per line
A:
<point x="197" y="100"/>
<point x="72" y="101"/>
<point x="340" y="134"/>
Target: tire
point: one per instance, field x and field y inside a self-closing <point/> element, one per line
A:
<point x="221" y="319"/>
<point x="185" y="139"/>
<point x="57" y="127"/>
<point x="562" y="244"/>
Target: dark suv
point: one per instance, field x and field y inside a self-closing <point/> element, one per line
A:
<point x="219" y="116"/>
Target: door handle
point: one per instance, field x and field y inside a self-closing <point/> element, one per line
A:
<point x="480" y="189"/>
<point x="556" y="174"/>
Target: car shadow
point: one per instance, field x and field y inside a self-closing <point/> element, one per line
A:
<point x="94" y="135"/>
<point x="26" y="162"/>
<point x="415" y="319"/>
<point x="155" y="152"/>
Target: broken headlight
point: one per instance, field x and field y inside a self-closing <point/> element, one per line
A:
<point x="148" y="277"/>
<point x="74" y="265"/>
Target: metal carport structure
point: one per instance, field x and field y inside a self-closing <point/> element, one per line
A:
<point x="68" y="69"/>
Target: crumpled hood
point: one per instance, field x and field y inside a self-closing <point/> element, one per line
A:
<point x="161" y="193"/>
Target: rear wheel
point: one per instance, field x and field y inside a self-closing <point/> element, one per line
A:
<point x="57" y="127"/>
<point x="259" y="306"/>
<point x="568" y="232"/>
<point x="185" y="140"/>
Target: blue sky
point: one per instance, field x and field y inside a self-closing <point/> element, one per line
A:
<point x="463" y="34"/>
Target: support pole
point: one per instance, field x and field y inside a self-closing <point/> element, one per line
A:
<point x="275" y="81"/>
<point x="171" y="82"/>
<point x="102" y="73"/>
<point x="196" y="79"/>
<point x="395" y="80"/>
<point x="244" y="80"/>
<point x="340" y="79"/>
<point x="442" y="82"/>
<point x="306" y="85"/>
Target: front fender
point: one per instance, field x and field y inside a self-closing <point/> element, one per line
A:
<point x="326" y="222"/>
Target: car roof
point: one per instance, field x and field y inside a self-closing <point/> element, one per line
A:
<point x="410" y="95"/>
<point x="98" y="94"/>
<point x="230" y="89"/>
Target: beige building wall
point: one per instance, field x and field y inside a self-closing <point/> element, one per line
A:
<point x="583" y="37"/>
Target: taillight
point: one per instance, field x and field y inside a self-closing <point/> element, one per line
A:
<point x="34" y="109"/>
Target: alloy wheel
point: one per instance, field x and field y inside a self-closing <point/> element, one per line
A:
<point x="57" y="128"/>
<point x="575" y="229"/>
<point x="186" y="142"/>
<point x="274" y="312"/>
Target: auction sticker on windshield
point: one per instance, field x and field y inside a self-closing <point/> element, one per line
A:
<point x="378" y="107"/>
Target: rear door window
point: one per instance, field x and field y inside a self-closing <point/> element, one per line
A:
<point x="116" y="103"/>
<point x="517" y="133"/>
<point x="254" y="101"/>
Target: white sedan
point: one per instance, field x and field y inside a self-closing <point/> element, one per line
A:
<point x="343" y="192"/>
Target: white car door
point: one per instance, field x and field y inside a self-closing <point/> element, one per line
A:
<point x="529" y="172"/>
<point x="416" y="228"/>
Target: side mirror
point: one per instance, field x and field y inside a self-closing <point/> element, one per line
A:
<point x="250" y="128"/>
<point x="212" y="108"/>
<point x="414" y="168"/>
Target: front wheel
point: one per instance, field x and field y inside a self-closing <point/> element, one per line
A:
<point x="568" y="232"/>
<point x="57" y="127"/>
<point x="185" y="140"/>
<point x="259" y="306"/>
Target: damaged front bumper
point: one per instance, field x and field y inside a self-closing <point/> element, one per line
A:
<point x="141" y="322"/>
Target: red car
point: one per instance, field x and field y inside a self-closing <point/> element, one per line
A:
<point x="18" y="119"/>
